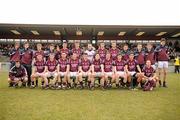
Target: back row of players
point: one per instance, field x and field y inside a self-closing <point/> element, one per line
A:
<point x="67" y="68"/>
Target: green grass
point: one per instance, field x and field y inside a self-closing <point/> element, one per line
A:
<point x="37" y="104"/>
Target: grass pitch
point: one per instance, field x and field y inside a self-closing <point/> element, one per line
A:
<point x="114" y="104"/>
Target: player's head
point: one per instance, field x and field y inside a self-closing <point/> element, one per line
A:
<point x="85" y="56"/>
<point x="16" y="45"/>
<point x="97" y="56"/>
<point x="148" y="63"/>
<point x="39" y="57"/>
<point x="26" y="45"/>
<point x="102" y="45"/>
<point x="74" y="56"/>
<point x="39" y="46"/>
<point x="90" y="47"/>
<point x="108" y="55"/>
<point x="163" y="41"/>
<point x="113" y="44"/>
<point x="125" y="47"/>
<point x="131" y="56"/>
<point x="139" y="46"/>
<point x="149" y="46"/>
<point x="76" y="44"/>
<point x="64" y="44"/>
<point x="51" y="47"/>
<point x="18" y="64"/>
<point x="119" y="57"/>
<point x="63" y="55"/>
<point x="51" y="56"/>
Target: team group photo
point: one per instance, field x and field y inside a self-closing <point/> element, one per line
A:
<point x="59" y="67"/>
<point x="89" y="60"/>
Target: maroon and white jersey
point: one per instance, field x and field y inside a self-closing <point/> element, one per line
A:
<point x="74" y="65"/>
<point x="125" y="54"/>
<point x="132" y="65"/>
<point x="17" y="72"/>
<point x="77" y="51"/>
<point x="119" y="65"/>
<point x="108" y="65"/>
<point x="148" y="72"/>
<point x="26" y="56"/>
<point x="36" y="53"/>
<point x="114" y="53"/>
<point x="102" y="53"/>
<point x="51" y="65"/>
<point x="65" y="51"/>
<point x="14" y="55"/>
<point x="97" y="65"/>
<point x="63" y="63"/>
<point x="140" y="57"/>
<point x="150" y="55"/>
<point x="162" y="53"/>
<point x="85" y="64"/>
<point x="40" y="66"/>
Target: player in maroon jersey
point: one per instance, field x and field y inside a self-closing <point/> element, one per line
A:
<point x="51" y="71"/>
<point x="63" y="70"/>
<point x="162" y="57"/>
<point x="140" y="56"/>
<point x="77" y="49"/>
<point x="39" y="51"/>
<point x="38" y="70"/>
<point x="97" y="71"/>
<point x="132" y="65"/>
<point x="150" y="55"/>
<point x="149" y="77"/>
<point x="74" y="70"/>
<point x="114" y="50"/>
<point x="85" y="69"/>
<point x="14" y="54"/>
<point x="108" y="70"/>
<point x="65" y="49"/>
<point x="49" y="51"/>
<point x="120" y="70"/>
<point x="102" y="51"/>
<point x="17" y="75"/>
<point x="125" y="52"/>
<point x="26" y="60"/>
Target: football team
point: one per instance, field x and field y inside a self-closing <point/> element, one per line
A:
<point x="64" y="68"/>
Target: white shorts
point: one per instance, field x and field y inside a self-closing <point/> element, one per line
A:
<point x="97" y="74"/>
<point x="162" y="64"/>
<point x="109" y="74"/>
<point x="51" y="74"/>
<point x="132" y="73"/>
<point x="120" y="73"/>
<point x="85" y="74"/>
<point x="73" y="74"/>
<point x="39" y="74"/>
<point x="61" y="74"/>
<point x="154" y="67"/>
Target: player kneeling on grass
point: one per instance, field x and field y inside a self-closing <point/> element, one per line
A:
<point x="85" y="70"/>
<point x="51" y="71"/>
<point x="17" y="75"/>
<point x="38" y="71"/>
<point x="97" y="71"/>
<point x="149" y="77"/>
<point x="133" y="77"/>
<point x="63" y="70"/>
<point x="108" y="70"/>
<point x="120" y="71"/>
<point x="74" y="70"/>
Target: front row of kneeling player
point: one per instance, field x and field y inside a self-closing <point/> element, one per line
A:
<point x="67" y="73"/>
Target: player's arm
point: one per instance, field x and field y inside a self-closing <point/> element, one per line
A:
<point x="92" y="68"/>
<point x="57" y="68"/>
<point x="126" y="68"/>
<point x="138" y="68"/>
<point x="68" y="68"/>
